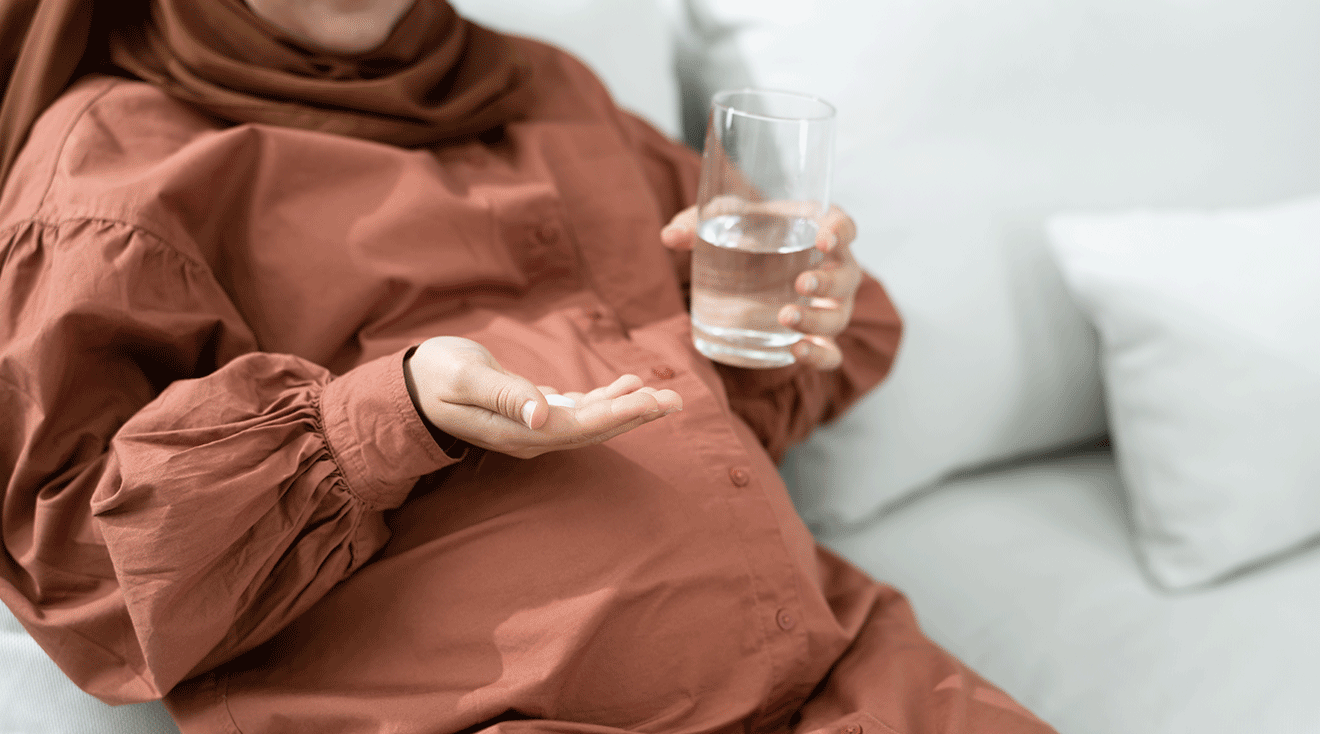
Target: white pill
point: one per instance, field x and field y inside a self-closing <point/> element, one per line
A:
<point x="561" y="401"/>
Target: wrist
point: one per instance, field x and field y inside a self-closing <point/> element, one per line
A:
<point x="374" y="433"/>
<point x="453" y="446"/>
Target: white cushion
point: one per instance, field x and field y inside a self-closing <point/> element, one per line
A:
<point x="1029" y="576"/>
<point x="1211" y="329"/>
<point x="961" y="127"/>
<point x="626" y="42"/>
<point x="36" y="698"/>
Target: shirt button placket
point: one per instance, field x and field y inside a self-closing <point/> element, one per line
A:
<point x="547" y="235"/>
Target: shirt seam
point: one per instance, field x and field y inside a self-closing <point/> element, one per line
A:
<point x="38" y="216"/>
<point x="55" y="223"/>
<point x="222" y="692"/>
<point x="62" y="148"/>
<point x="877" y="720"/>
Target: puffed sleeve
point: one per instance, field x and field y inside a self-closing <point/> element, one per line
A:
<point x="781" y="405"/>
<point x="173" y="496"/>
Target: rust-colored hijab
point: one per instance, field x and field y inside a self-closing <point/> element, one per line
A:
<point x="436" y="77"/>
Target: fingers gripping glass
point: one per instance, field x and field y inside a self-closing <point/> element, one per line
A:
<point x="765" y="185"/>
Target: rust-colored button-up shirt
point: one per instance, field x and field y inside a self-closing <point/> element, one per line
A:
<point x="216" y="488"/>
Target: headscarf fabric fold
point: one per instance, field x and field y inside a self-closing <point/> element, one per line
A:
<point x="41" y="45"/>
<point x="436" y="77"/>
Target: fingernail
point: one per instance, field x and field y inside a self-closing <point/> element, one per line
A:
<point x="831" y="241"/>
<point x="528" y="409"/>
<point x="811" y="282"/>
<point x="561" y="401"/>
<point x="794" y="316"/>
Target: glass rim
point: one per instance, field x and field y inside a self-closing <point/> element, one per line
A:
<point x="719" y="100"/>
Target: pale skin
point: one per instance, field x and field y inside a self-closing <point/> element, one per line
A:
<point x="460" y="387"/>
<point x="342" y="26"/>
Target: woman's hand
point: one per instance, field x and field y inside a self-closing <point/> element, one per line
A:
<point x="831" y="286"/>
<point x="462" y="390"/>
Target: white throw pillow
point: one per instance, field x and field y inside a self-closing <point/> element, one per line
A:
<point x="1210" y="324"/>
<point x="626" y="42"/>
<point x="962" y="126"/>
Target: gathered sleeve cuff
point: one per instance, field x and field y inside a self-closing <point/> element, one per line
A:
<point x="381" y="444"/>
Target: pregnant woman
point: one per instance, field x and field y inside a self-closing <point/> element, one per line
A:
<point x="284" y="285"/>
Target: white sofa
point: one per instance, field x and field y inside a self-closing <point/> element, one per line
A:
<point x="1076" y="206"/>
<point x="977" y="479"/>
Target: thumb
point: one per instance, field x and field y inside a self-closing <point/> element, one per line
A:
<point x="513" y="397"/>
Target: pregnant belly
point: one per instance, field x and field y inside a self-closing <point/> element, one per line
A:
<point x="592" y="586"/>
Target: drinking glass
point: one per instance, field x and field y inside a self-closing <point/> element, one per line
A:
<point x="765" y="185"/>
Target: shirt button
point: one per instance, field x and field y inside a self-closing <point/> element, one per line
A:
<point x="662" y="372"/>
<point x="739" y="476"/>
<point x="785" y="620"/>
<point x="851" y="729"/>
<point x="547" y="234"/>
